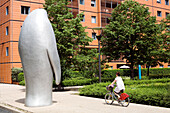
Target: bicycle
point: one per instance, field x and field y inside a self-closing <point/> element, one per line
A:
<point x="110" y="97"/>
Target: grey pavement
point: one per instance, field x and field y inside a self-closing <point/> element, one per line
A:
<point x="12" y="97"/>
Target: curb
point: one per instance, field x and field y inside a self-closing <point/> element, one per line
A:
<point x="6" y="108"/>
<point x="73" y="88"/>
<point x="70" y="88"/>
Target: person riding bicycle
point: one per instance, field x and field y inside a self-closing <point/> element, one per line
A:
<point x="120" y="88"/>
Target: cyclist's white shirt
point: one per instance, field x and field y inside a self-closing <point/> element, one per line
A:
<point x="120" y="84"/>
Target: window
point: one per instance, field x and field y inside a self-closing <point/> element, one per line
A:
<point x="166" y="2"/>
<point x="25" y="10"/>
<point x="146" y="0"/>
<point x="7" y="11"/>
<point x="168" y="66"/>
<point x="108" y="4"/>
<point x="93" y="3"/>
<point x="114" y="5"/>
<point x="82" y="2"/>
<point x="83" y="20"/>
<point x="6" y="30"/>
<point x="7" y="52"/>
<point x="94" y="36"/>
<point x="158" y="1"/>
<point x="93" y="19"/>
<point x="166" y="14"/>
<point x="159" y="13"/>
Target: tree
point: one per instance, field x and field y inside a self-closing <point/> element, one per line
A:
<point x="166" y="37"/>
<point x="71" y="37"/>
<point x="132" y="33"/>
<point x="88" y="60"/>
<point x="161" y="50"/>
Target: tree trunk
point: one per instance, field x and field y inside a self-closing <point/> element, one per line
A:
<point x="132" y="71"/>
<point x="148" y="71"/>
<point x="60" y="87"/>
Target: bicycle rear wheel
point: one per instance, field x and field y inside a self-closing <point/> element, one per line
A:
<point x="109" y="98"/>
<point x="125" y="102"/>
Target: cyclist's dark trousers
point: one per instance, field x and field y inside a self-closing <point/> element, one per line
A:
<point x="121" y="91"/>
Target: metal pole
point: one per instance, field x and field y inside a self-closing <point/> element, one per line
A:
<point x="99" y="63"/>
<point x="139" y="70"/>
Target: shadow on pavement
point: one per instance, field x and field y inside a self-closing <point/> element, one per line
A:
<point x="23" y="90"/>
<point x="22" y="101"/>
<point x="112" y="104"/>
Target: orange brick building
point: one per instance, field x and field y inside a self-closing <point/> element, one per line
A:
<point x="96" y="14"/>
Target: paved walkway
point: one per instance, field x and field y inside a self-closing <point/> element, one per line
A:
<point x="12" y="97"/>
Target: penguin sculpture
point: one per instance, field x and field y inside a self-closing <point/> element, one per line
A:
<point x="39" y="57"/>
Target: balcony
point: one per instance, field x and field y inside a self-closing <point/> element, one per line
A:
<point x="73" y="4"/>
<point x="108" y="5"/>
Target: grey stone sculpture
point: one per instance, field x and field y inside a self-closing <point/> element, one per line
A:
<point x="40" y="59"/>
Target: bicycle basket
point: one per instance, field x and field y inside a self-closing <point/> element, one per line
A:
<point x="123" y="96"/>
<point x="109" y="88"/>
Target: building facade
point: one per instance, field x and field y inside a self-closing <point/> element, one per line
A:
<point x="96" y="14"/>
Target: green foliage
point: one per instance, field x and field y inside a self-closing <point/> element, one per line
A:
<point x="123" y="72"/>
<point x="22" y="83"/>
<point x="77" y="81"/>
<point x="87" y="62"/>
<point x="165" y="23"/>
<point x="133" y="34"/>
<point x="15" y="72"/>
<point x="71" y="38"/>
<point x="75" y="74"/>
<point x="159" y="72"/>
<point x="155" y="76"/>
<point x="20" y="77"/>
<point x="151" y="92"/>
<point x="80" y="81"/>
<point x="136" y="82"/>
<point x="94" y="90"/>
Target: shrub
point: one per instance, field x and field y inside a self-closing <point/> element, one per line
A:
<point x="155" y="76"/>
<point x="95" y="90"/>
<point x="77" y="81"/>
<point x="155" y="72"/>
<point x="136" y="82"/>
<point x="22" y="83"/>
<point x="150" y="94"/>
<point x="112" y="73"/>
<point x="20" y="77"/>
<point x="154" y="93"/>
<point x="75" y="74"/>
<point x="15" y="72"/>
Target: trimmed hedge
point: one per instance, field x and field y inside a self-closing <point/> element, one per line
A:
<point x="159" y="72"/>
<point x="152" y="94"/>
<point x="155" y="76"/>
<point x="79" y="81"/>
<point x="136" y="82"/>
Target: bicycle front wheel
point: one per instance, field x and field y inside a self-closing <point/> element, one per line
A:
<point x="109" y="98"/>
<point x="125" y="102"/>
